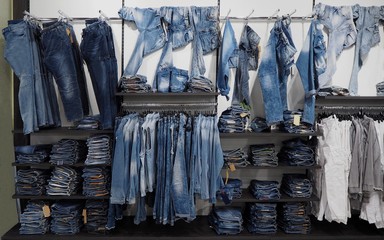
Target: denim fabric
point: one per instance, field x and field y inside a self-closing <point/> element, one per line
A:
<point x="66" y="217"/>
<point x="248" y="60"/>
<point x="96" y="181"/>
<point x="293" y="218"/>
<point x="380" y="89"/>
<point x="296" y="185"/>
<point x="200" y="84"/>
<point x="231" y="190"/>
<point x="134" y="84"/>
<point x="68" y="152"/>
<point x="31" y="182"/>
<point x="32" y="220"/>
<point x="297" y="152"/>
<point x="366" y="20"/>
<point x="261" y="218"/>
<point x="63" y="59"/>
<point x="234" y="119"/>
<point x="99" y="150"/>
<point x="290" y="126"/>
<point x="64" y="181"/>
<point x="98" y="51"/>
<point x="264" y="155"/>
<point x="30" y="154"/>
<point x="115" y="212"/>
<point x="151" y="37"/>
<point x="226" y="220"/>
<point x="88" y="123"/>
<point x="274" y="70"/>
<point x="264" y="190"/>
<point x="228" y="58"/>
<point x="238" y="157"/>
<point x="311" y="64"/>
<point x="97" y="212"/>
<point x="259" y="124"/>
<point x="338" y="20"/>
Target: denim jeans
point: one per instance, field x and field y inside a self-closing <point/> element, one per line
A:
<point x="338" y="20"/>
<point x="68" y="152"/>
<point x="200" y="84"/>
<point x="64" y="181"/>
<point x="290" y="126"/>
<point x="264" y="155"/>
<point x="233" y="119"/>
<point x="99" y="149"/>
<point x="98" y="51"/>
<point x="66" y="217"/>
<point x="264" y="190"/>
<point x="96" y="181"/>
<point x="293" y="218"/>
<point x="297" y="152"/>
<point x="261" y="218"/>
<point x="97" y="212"/>
<point x="311" y="64"/>
<point x="259" y="124"/>
<point x="32" y="153"/>
<point x="115" y="212"/>
<point x="32" y="220"/>
<point x="238" y="157"/>
<point x="151" y="37"/>
<point x="296" y="185"/>
<point x="31" y="182"/>
<point x="231" y="190"/>
<point x="274" y="70"/>
<point x="62" y="58"/>
<point x="228" y="58"/>
<point x="226" y="220"/>
<point x="380" y="89"/>
<point x="134" y="84"/>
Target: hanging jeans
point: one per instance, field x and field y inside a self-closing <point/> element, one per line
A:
<point x="274" y="71"/>
<point x="99" y="54"/>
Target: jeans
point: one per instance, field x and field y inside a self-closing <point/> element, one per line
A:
<point x="134" y="84"/>
<point x="99" y="53"/>
<point x="226" y="220"/>
<point x="32" y="153"/>
<point x="238" y="157"/>
<point x="231" y="190"/>
<point x="264" y="155"/>
<point x="66" y="217"/>
<point x="259" y="124"/>
<point x="199" y="84"/>
<point x="233" y="119"/>
<point x="32" y="220"/>
<point x="31" y="182"/>
<point x="64" y="181"/>
<point x="62" y="58"/>
<point x="264" y="190"/>
<point x="99" y="150"/>
<point x="97" y="212"/>
<point x="96" y="181"/>
<point x="293" y="218"/>
<point x="296" y="152"/>
<point x="261" y="218"/>
<point x="342" y="34"/>
<point x="248" y="60"/>
<point x="228" y="58"/>
<point x="68" y="152"/>
<point x="88" y="123"/>
<point x="151" y="37"/>
<point x="115" y="212"/>
<point x="296" y="185"/>
<point x="311" y="64"/>
<point x="274" y="70"/>
<point x="290" y="126"/>
<point x="380" y="89"/>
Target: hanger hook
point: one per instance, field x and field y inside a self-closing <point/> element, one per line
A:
<point x="226" y="17"/>
<point x="246" y="18"/>
<point x="274" y="14"/>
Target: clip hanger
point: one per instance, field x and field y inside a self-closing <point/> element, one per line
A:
<point x="226" y="17"/>
<point x="31" y="15"/>
<point x="103" y="15"/>
<point x="291" y="13"/>
<point x="65" y="15"/>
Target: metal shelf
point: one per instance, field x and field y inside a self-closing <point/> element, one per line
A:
<point x="280" y="166"/>
<point x="248" y="197"/>
<point x="66" y="130"/>
<point x="273" y="133"/>
<point x="58" y="197"/>
<point x="48" y="165"/>
<point x="157" y="94"/>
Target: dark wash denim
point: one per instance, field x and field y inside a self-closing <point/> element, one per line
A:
<point x="226" y="220"/>
<point x="293" y="218"/>
<point x="32" y="220"/>
<point x="264" y="190"/>
<point x="296" y="185"/>
<point x="297" y="152"/>
<point x="66" y="217"/>
<point x="63" y="59"/>
<point x="98" y="51"/>
<point x="261" y="218"/>
<point x="32" y="153"/>
<point x="97" y="212"/>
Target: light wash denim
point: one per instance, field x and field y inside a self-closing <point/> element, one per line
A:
<point x="228" y="58"/>
<point x="274" y="70"/>
<point x="338" y="20"/>
<point x="311" y="64"/>
<point x="367" y="25"/>
<point x="151" y="38"/>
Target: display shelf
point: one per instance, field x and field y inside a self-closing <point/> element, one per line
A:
<point x="355" y="101"/>
<point x="67" y="130"/>
<point x="273" y="133"/>
<point x="58" y="197"/>
<point x="158" y="94"/>
<point x="248" y="197"/>
<point x="48" y="165"/>
<point x="281" y="166"/>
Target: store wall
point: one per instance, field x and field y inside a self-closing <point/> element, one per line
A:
<point x="7" y="204"/>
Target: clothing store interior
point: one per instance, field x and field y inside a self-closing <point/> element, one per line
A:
<point x="207" y="119"/>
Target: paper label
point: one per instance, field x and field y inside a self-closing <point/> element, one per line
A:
<point x="46" y="211"/>
<point x="232" y="167"/>
<point x="296" y="120"/>
<point x="84" y="215"/>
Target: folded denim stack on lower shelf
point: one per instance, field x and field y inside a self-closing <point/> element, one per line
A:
<point x="97" y="213"/>
<point x="233" y="120"/>
<point x="200" y="84"/>
<point x="64" y="181"/>
<point x="96" y="182"/>
<point x="380" y="89"/>
<point x="237" y="157"/>
<point x="134" y="84"/>
<point x="231" y="190"/>
<point x="31" y="182"/>
<point x="264" y="190"/>
<point x="296" y="185"/>
<point x="293" y="218"/>
<point x="264" y="155"/>
<point x="297" y="152"/>
<point x="32" y="220"/>
<point x="99" y="150"/>
<point x="32" y="154"/>
<point x="226" y="220"/>
<point x="291" y="125"/>
<point x="88" y="123"/>
<point x="68" y="152"/>
<point x="261" y="218"/>
<point x="66" y="217"/>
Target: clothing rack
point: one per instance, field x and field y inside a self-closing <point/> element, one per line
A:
<point x="264" y="19"/>
<point x="360" y="108"/>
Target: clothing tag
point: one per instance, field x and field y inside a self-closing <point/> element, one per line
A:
<point x="84" y="215"/>
<point x="232" y="167"/>
<point x="243" y="114"/>
<point x="296" y="120"/>
<point x="69" y="34"/>
<point x="46" y="211"/>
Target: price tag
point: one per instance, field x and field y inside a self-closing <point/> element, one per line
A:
<point x="46" y="211"/>
<point x="243" y="114"/>
<point x="296" y="120"/>
<point x="84" y="216"/>
<point x="232" y="167"/>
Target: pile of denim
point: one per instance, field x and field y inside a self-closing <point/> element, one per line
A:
<point x="200" y="84"/>
<point x="32" y="154"/>
<point x="33" y="220"/>
<point x="64" y="181"/>
<point x="296" y="185"/>
<point x="226" y="220"/>
<point x="96" y="181"/>
<point x="291" y="126"/>
<point x="380" y="89"/>
<point x="293" y="218"/>
<point x="68" y="152"/>
<point x="261" y="218"/>
<point x="31" y="182"/>
<point x="99" y="150"/>
<point x="233" y="120"/>
<point x="264" y="190"/>
<point x="88" y="123"/>
<point x="259" y="124"/>
<point x="238" y="157"/>
<point x="66" y="217"/>
<point x="134" y="84"/>
<point x="297" y="152"/>
<point x="231" y="190"/>
<point x="264" y="155"/>
<point x="97" y="213"/>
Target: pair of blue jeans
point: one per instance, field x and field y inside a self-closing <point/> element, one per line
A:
<point x="99" y="149"/>
<point x="238" y="157"/>
<point x="32" y="220"/>
<point x="96" y="181"/>
<point x="64" y="181"/>
<point x="98" y="51"/>
<point x="31" y="182"/>
<point x="296" y="185"/>
<point x="264" y="190"/>
<point x="226" y="220"/>
<point x="264" y="155"/>
<point x="293" y="218"/>
<point x="68" y="152"/>
<point x="32" y="153"/>
<point x="97" y="212"/>
<point x="261" y="218"/>
<point x="66" y="217"/>
<point x="297" y="152"/>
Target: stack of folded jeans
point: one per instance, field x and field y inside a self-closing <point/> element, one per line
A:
<point x="96" y="181"/>
<point x="380" y="89"/>
<point x="32" y="220"/>
<point x="32" y="154"/>
<point x="99" y="150"/>
<point x="297" y="152"/>
<point x="296" y="185"/>
<point x="293" y="218"/>
<point x="237" y="157"/>
<point x="134" y="84"/>
<point x="264" y="190"/>
<point x="226" y="220"/>
<point x="66" y="217"/>
<point x="233" y="120"/>
<point x="64" y="181"/>
<point x="31" y="182"/>
<point x="231" y="190"/>
<point x="264" y="155"/>
<point x="291" y="125"/>
<point x="68" y="152"/>
<point x="88" y="123"/>
<point x="200" y="84"/>
<point x="97" y="213"/>
<point x="259" y="124"/>
<point x="261" y="218"/>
